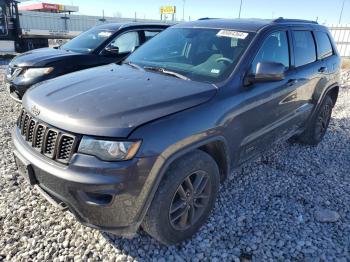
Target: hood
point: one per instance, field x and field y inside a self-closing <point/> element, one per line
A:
<point x="112" y="100"/>
<point x="41" y="57"/>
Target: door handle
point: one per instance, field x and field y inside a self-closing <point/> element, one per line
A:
<point x="292" y="82"/>
<point x="322" y="69"/>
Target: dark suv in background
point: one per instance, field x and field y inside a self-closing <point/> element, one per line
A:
<point x="100" y="45"/>
<point x="148" y="143"/>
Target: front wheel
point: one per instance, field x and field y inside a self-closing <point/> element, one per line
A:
<point x="184" y="198"/>
<point x="317" y="128"/>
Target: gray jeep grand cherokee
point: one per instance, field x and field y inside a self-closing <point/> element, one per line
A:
<point x="147" y="143"/>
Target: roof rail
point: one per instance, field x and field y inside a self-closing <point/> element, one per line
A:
<point x="207" y="18"/>
<point x="283" y="20"/>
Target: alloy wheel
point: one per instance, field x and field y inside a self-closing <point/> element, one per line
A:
<point x="190" y="200"/>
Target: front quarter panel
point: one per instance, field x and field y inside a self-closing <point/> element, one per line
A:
<point x="173" y="136"/>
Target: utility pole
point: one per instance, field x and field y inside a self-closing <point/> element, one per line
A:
<point x="183" y="9"/>
<point x="341" y="12"/>
<point x="240" y="9"/>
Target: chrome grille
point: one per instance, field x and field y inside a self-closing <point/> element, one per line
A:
<point x="51" y="142"/>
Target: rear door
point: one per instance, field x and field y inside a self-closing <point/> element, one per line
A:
<point x="327" y="54"/>
<point x="311" y="70"/>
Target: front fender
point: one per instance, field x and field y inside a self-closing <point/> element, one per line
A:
<point x="165" y="159"/>
<point x="172" y="137"/>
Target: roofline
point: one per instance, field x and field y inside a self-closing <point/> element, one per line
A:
<point x="284" y="20"/>
<point x="122" y="25"/>
<point x="144" y="23"/>
<point x="254" y="25"/>
<point x="277" y="20"/>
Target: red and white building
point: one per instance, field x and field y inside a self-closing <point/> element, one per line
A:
<point x="49" y="8"/>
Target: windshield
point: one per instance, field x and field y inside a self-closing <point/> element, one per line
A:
<point x="88" y="41"/>
<point x="207" y="55"/>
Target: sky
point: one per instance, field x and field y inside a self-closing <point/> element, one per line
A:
<point x="325" y="11"/>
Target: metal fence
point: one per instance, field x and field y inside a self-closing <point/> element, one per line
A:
<point x="41" y="23"/>
<point x="341" y="35"/>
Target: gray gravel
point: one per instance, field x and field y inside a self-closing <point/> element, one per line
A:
<point x="291" y="205"/>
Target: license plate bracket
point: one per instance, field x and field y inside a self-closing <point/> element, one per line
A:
<point x="25" y="169"/>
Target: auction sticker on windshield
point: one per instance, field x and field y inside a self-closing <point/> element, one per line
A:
<point x="105" y="34"/>
<point x="232" y="34"/>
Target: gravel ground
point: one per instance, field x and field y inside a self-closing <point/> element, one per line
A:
<point x="291" y="205"/>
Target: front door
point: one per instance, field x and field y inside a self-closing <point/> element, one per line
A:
<point x="271" y="107"/>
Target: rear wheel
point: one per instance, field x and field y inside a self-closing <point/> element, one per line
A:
<point x="184" y="198"/>
<point x="319" y="124"/>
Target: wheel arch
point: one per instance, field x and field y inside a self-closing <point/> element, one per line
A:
<point x="333" y="92"/>
<point x="216" y="147"/>
<point x="219" y="152"/>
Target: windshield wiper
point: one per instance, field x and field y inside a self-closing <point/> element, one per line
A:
<point x="167" y="72"/>
<point x="133" y="65"/>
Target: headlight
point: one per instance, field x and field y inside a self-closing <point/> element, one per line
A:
<point x="109" y="150"/>
<point x="37" y="72"/>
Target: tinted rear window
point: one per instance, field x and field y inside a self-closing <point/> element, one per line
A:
<point x="305" y="49"/>
<point x="324" y="45"/>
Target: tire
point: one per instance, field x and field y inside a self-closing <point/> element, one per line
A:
<point x="317" y="128"/>
<point x="171" y="201"/>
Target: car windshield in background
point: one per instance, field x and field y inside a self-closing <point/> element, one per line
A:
<point x="207" y="55"/>
<point x="88" y="41"/>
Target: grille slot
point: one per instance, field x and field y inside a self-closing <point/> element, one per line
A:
<point x="39" y="136"/>
<point x="20" y="119"/>
<point x="66" y="145"/>
<point x="25" y="123"/>
<point x="52" y="143"/>
<point x="30" y="131"/>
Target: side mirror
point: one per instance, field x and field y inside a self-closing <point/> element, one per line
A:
<point x="111" y="50"/>
<point x="267" y="72"/>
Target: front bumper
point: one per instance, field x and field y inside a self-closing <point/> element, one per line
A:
<point x="103" y="195"/>
<point x="19" y="85"/>
<point x="16" y="92"/>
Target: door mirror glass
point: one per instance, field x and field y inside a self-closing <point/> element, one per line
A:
<point x="267" y="72"/>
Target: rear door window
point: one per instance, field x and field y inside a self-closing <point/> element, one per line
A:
<point x="151" y="33"/>
<point x="324" y="46"/>
<point x="274" y="49"/>
<point x="304" y="48"/>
